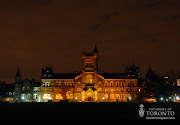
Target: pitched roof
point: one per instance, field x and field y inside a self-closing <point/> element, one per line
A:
<point x="36" y="84"/>
<point x="65" y="75"/>
<point x="113" y="75"/>
<point x="18" y="74"/>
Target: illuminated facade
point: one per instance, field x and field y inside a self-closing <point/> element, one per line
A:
<point x="90" y="85"/>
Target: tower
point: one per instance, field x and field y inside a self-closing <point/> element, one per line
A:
<point x="17" y="87"/>
<point x="90" y="61"/>
<point x="18" y="76"/>
<point x="89" y="75"/>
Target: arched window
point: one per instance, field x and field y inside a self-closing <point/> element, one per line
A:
<point x="99" y="89"/>
<point x="106" y="84"/>
<point x="117" y="84"/>
<point x="69" y="95"/>
<point x="46" y="96"/>
<point x="58" y="96"/>
<point x="112" y="96"/>
<point x="117" y="96"/>
<point x="106" y="96"/>
<point x="111" y="84"/>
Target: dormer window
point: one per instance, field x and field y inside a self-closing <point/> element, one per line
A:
<point x="47" y="71"/>
<point x="44" y="76"/>
<point x="49" y="75"/>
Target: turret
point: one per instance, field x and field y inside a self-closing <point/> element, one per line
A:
<point x="18" y="76"/>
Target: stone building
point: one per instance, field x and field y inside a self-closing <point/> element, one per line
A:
<point x="89" y="85"/>
<point x="26" y="90"/>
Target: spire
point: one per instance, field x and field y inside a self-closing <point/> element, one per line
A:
<point x="18" y="74"/>
<point x="95" y="49"/>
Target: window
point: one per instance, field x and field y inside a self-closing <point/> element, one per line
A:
<point x="117" y="96"/>
<point x="22" y="96"/>
<point x="111" y="84"/>
<point x="23" y="88"/>
<point x="58" y="96"/>
<point x="133" y="84"/>
<point x="90" y="81"/>
<point x="117" y="84"/>
<point x="79" y="89"/>
<point x="29" y="96"/>
<point x="46" y="96"/>
<point x="99" y="89"/>
<point x="112" y="96"/>
<point x="87" y="64"/>
<point x="106" y="84"/>
<point x="35" y="96"/>
<point x="69" y="95"/>
<point x="106" y="96"/>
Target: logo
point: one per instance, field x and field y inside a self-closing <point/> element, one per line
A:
<point x="156" y="113"/>
<point x="141" y="110"/>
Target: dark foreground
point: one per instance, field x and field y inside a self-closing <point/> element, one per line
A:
<point x="78" y="111"/>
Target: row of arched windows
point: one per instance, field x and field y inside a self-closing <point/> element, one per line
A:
<point x="119" y="84"/>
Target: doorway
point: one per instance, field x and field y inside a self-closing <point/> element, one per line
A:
<point x="89" y="98"/>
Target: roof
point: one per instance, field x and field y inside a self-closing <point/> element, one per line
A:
<point x="89" y="54"/>
<point x="113" y="75"/>
<point x="62" y="76"/>
<point x="36" y="84"/>
<point x="18" y="74"/>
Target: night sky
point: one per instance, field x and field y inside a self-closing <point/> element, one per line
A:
<point x="39" y="33"/>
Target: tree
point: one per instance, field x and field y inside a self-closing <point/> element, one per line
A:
<point x="151" y="84"/>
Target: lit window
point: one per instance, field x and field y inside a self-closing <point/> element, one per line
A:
<point x="58" y="96"/>
<point x="69" y="95"/>
<point x="112" y="96"/>
<point x="35" y="96"/>
<point x="106" y="96"/>
<point x="99" y="89"/>
<point x="46" y="96"/>
<point x="78" y="89"/>
<point x="22" y="96"/>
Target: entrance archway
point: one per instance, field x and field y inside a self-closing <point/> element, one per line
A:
<point x="89" y="95"/>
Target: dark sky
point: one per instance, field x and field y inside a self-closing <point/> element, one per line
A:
<point x="39" y="33"/>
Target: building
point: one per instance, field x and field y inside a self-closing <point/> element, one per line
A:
<point x="6" y="92"/>
<point x="26" y="90"/>
<point x="89" y="85"/>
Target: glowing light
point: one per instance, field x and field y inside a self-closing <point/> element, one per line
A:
<point x="76" y="98"/>
<point x="46" y="96"/>
<point x="161" y="98"/>
<point x="103" y="98"/>
<point x="177" y="98"/>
